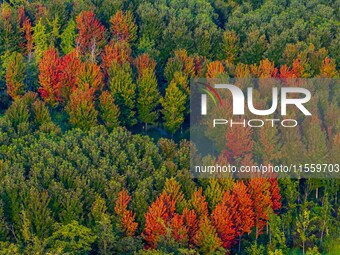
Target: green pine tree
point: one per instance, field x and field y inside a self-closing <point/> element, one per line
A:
<point x="148" y="97"/>
<point x="68" y="37"/>
<point x="173" y="107"/>
<point x="109" y="112"/>
<point x="123" y="89"/>
<point x="40" y="39"/>
<point x="54" y="33"/>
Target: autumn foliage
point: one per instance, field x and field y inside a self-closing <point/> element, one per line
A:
<point x="123" y="27"/>
<point x="239" y="143"/>
<point x="91" y="34"/>
<point x="126" y="217"/>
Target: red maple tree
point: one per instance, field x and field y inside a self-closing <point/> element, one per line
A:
<point x="157" y="219"/>
<point x="48" y="76"/>
<point x="239" y="143"/>
<point x="222" y="219"/>
<point x="91" y="34"/>
<point x="243" y="216"/>
<point x="259" y="189"/>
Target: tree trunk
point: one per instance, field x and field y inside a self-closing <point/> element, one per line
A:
<point x="239" y="243"/>
<point x="303" y="247"/>
<point x="316" y="193"/>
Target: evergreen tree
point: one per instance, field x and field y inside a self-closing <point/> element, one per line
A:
<point x="40" y="39"/>
<point x="81" y="108"/>
<point x="123" y="89"/>
<point x="68" y="37"/>
<point x="15" y="76"/>
<point x="173" y="107"/>
<point x="109" y="111"/>
<point x="148" y="97"/>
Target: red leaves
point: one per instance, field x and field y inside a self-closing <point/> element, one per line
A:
<point x="156" y="219"/>
<point x="26" y="29"/>
<point x="127" y="217"/>
<point x="91" y="34"/>
<point x="58" y="76"/>
<point x="259" y="189"/>
<point x="68" y="70"/>
<point x="275" y="193"/>
<point x="247" y="205"/>
<point x="144" y="62"/>
<point x="191" y="223"/>
<point x="48" y="76"/>
<point x="243" y="212"/>
<point x="239" y="143"/>
<point x="222" y="219"/>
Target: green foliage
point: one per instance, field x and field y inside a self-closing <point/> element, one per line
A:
<point x="73" y="238"/>
<point x="173" y="107"/>
<point x="68" y="37"/>
<point x="123" y="90"/>
<point x="148" y="97"/>
<point x="40" y="39"/>
<point x="109" y="111"/>
<point x="255" y="249"/>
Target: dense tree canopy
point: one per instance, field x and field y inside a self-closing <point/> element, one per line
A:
<point x="91" y="93"/>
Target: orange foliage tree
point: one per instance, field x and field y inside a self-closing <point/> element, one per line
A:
<point x="259" y="189"/>
<point x="143" y="62"/>
<point x="91" y="34"/>
<point x="239" y="143"/>
<point x="119" y="52"/>
<point x="222" y="219"/>
<point x="328" y="68"/>
<point x="26" y="29"/>
<point x="123" y="27"/>
<point x="48" y="76"/>
<point x="214" y="69"/>
<point x="157" y="219"/>
<point x="243" y="216"/>
<point x="126" y="217"/>
<point x="191" y="222"/>
<point x="199" y="203"/>
<point x="266" y="69"/>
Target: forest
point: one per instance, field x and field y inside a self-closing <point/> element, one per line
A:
<point x="94" y="127"/>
